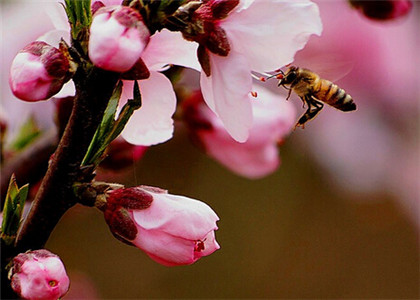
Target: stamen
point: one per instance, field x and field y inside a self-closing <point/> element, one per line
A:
<point x="254" y="94"/>
<point x="255" y="76"/>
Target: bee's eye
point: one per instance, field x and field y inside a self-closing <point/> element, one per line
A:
<point x="291" y="76"/>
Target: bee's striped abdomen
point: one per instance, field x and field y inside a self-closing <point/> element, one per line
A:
<point x="331" y="94"/>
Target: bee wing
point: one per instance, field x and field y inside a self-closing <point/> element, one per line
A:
<point x="331" y="66"/>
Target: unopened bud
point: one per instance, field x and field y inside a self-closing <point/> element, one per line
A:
<point x="38" y="72"/>
<point x="172" y="230"/>
<point x="39" y="274"/>
<point x="383" y="9"/>
<point x="118" y="36"/>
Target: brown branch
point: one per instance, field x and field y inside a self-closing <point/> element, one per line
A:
<point x="55" y="195"/>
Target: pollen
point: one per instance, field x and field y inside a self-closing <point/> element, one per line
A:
<point x="262" y="79"/>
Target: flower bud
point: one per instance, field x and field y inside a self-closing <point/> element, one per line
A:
<point x="118" y="36"/>
<point x="383" y="9"/>
<point x="172" y="230"/>
<point x="39" y="274"/>
<point x="38" y="72"/>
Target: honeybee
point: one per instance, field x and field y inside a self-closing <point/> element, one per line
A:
<point x="314" y="91"/>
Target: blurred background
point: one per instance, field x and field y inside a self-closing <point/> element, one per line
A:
<point x="338" y="219"/>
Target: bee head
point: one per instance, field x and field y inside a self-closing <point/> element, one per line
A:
<point x="290" y="76"/>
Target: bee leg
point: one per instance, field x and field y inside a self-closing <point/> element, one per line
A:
<point x="314" y="107"/>
<point x="288" y="95"/>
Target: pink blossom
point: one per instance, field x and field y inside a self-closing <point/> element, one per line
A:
<point x="39" y="274"/>
<point x="152" y="123"/>
<point x="259" y="155"/>
<point x="38" y="72"/>
<point x="172" y="230"/>
<point x="118" y="36"/>
<point x="262" y="36"/>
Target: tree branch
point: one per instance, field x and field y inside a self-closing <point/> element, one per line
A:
<point x="55" y="195"/>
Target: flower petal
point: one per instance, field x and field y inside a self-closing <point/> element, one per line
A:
<point x="227" y="90"/>
<point x="57" y="15"/>
<point x="270" y="32"/>
<point x="53" y="37"/>
<point x="167" y="47"/>
<point x="152" y="123"/>
<point x="258" y="156"/>
<point x="67" y="90"/>
<point x="164" y="248"/>
<point x="178" y="216"/>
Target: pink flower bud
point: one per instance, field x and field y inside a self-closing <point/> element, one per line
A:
<point x="38" y="72"/>
<point x="39" y="274"/>
<point x="383" y="9"/>
<point x="172" y="230"/>
<point x="118" y="36"/>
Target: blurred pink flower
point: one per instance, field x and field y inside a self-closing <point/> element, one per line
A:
<point x="383" y="10"/>
<point x="369" y="150"/>
<point x="39" y="274"/>
<point x="172" y="230"/>
<point x="38" y="72"/>
<point x="274" y="118"/>
<point x="262" y="36"/>
<point x="118" y="36"/>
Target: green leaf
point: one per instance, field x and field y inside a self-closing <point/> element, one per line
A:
<point x="111" y="128"/>
<point x="104" y="129"/>
<point x="80" y="18"/>
<point x="27" y="133"/>
<point x="13" y="209"/>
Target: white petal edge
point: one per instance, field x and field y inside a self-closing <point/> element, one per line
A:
<point x="152" y="123"/>
<point x="226" y="92"/>
<point x="270" y="32"/>
<point x="166" y="47"/>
